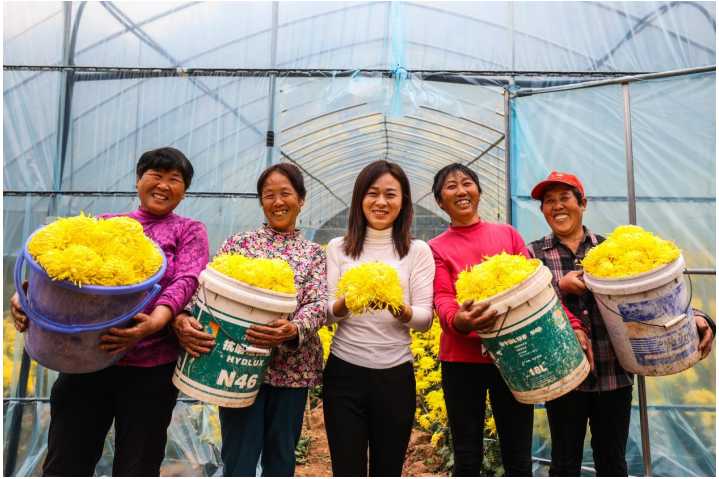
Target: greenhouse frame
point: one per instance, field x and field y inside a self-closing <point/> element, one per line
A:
<point x="622" y="94"/>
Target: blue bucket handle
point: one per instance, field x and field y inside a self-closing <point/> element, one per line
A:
<point x="61" y="328"/>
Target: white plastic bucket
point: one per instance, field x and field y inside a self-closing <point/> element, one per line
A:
<point x="649" y="319"/>
<point x="231" y="374"/>
<point x="534" y="345"/>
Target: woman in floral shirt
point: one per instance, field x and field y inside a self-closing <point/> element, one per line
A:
<point x="271" y="426"/>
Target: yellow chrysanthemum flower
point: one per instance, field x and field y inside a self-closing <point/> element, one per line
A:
<point x="492" y="276"/>
<point x="90" y="251"/>
<point x="371" y="286"/>
<point x="274" y="274"/>
<point x="628" y="251"/>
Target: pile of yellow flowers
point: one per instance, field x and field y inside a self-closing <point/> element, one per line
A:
<point x="91" y="251"/>
<point x="370" y="286"/>
<point x="492" y="276"/>
<point x="628" y="251"/>
<point x="274" y="274"/>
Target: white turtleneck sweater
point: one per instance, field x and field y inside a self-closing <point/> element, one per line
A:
<point x="377" y="339"/>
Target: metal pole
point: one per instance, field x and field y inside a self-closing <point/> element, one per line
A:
<point x="16" y="418"/>
<point x="632" y="200"/>
<point x="272" y="88"/>
<point x="507" y="157"/>
<point x="621" y="80"/>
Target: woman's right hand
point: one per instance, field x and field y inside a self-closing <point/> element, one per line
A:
<point x="18" y="315"/>
<point x="573" y="283"/>
<point x="191" y="336"/>
<point x="339" y="308"/>
<point x="474" y="317"/>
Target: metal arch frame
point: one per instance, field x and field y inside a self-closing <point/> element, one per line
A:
<point x="329" y="127"/>
<point x="646" y="21"/>
<point x="322" y="161"/>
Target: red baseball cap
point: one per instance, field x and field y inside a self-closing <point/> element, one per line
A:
<point x="556" y="177"/>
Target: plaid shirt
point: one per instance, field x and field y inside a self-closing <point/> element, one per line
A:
<point x="608" y="374"/>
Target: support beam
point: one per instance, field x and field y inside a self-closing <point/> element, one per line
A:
<point x="632" y="203"/>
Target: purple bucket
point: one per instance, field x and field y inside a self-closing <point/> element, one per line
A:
<point x="66" y="321"/>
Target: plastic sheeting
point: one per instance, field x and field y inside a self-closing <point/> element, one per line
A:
<point x="484" y="36"/>
<point x="673" y="135"/>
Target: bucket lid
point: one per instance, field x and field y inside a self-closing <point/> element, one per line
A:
<point x="244" y="293"/>
<point x="637" y="283"/>
<point x="522" y="292"/>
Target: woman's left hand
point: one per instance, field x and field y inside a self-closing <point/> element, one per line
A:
<point x="120" y="340"/>
<point x="705" y="336"/>
<point x="273" y="334"/>
<point x="403" y="314"/>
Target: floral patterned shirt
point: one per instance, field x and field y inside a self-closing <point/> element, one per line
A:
<point x="297" y="364"/>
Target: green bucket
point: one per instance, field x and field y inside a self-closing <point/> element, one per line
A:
<point x="534" y="345"/>
<point x="231" y="374"/>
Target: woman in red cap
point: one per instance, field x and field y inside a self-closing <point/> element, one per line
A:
<point x="604" y="399"/>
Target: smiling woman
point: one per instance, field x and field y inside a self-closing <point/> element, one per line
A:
<point x="84" y="406"/>
<point x="296" y="363"/>
<point x="370" y="364"/>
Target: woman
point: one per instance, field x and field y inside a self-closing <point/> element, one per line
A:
<point x="604" y="399"/>
<point x="137" y="392"/>
<point x="369" y="388"/>
<point x="271" y="426"/>
<point x="468" y="371"/>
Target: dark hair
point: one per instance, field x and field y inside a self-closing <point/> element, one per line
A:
<point x="290" y="171"/>
<point x="166" y="159"/>
<point x="573" y="189"/>
<point x="357" y="228"/>
<point x="441" y="176"/>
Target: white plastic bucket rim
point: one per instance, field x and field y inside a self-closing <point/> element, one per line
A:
<point x="638" y="283"/>
<point x="521" y="292"/>
<point x="244" y="293"/>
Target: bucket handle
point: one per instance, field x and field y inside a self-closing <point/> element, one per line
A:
<point x="52" y="325"/>
<point x="668" y="324"/>
<point x="219" y="324"/>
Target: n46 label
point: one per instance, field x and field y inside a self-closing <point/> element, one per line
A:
<point x="230" y="379"/>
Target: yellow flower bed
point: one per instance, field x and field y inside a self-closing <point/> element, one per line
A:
<point x="628" y="251"/>
<point x="492" y="276"/>
<point x="274" y="274"/>
<point x="101" y="252"/>
<point x="371" y="286"/>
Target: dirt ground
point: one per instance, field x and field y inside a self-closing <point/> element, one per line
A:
<point x="419" y="452"/>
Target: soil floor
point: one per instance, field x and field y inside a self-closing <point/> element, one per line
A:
<point x="418" y="462"/>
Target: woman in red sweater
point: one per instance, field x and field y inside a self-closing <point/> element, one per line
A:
<point x="468" y="371"/>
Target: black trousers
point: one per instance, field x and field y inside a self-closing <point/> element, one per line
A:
<point x="83" y="407"/>
<point x="608" y="414"/>
<point x="368" y="408"/>
<point x="465" y="389"/>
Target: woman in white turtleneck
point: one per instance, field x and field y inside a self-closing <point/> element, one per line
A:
<point x="368" y="386"/>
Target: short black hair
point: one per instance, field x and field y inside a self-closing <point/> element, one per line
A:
<point x="290" y="171"/>
<point x="166" y="159"/>
<point x="441" y="176"/>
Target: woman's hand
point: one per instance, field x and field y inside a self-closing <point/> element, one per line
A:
<point x="705" y="336"/>
<point x="474" y="317"/>
<point x="339" y="308"/>
<point x="586" y="345"/>
<point x="572" y="283"/>
<point x="18" y="315"/>
<point x="191" y="335"/>
<point x="403" y="314"/>
<point x="120" y="340"/>
<point x="273" y="334"/>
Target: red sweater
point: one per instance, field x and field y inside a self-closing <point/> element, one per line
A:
<point x="455" y="250"/>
